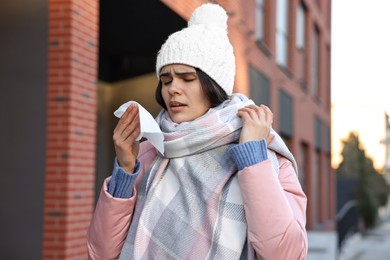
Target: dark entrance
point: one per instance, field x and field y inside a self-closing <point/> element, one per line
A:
<point x="131" y="33"/>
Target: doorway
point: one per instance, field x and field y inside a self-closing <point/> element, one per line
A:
<point x="130" y="35"/>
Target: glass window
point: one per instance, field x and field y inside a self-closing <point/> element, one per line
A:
<point x="281" y="32"/>
<point x="317" y="185"/>
<point x="328" y="76"/>
<point x="260" y="20"/>
<point x="327" y="140"/>
<point x="318" y="133"/>
<point x="259" y="87"/>
<point x="319" y="4"/>
<point x="303" y="165"/>
<point x="326" y="187"/>
<point x="286" y="114"/>
<point x="300" y="27"/>
<point x="315" y="62"/>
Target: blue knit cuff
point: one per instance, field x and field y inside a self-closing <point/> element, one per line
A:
<point x="122" y="183"/>
<point x="249" y="153"/>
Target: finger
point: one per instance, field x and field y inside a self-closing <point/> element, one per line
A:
<point x="268" y="114"/>
<point x="250" y="107"/>
<point x="254" y="112"/>
<point x="260" y="110"/>
<point x="120" y="133"/>
<point x="131" y="116"/>
<point x="127" y="111"/>
<point x="246" y="115"/>
<point x="122" y="121"/>
<point x="133" y="130"/>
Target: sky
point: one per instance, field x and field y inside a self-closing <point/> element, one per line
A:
<point x="360" y="40"/>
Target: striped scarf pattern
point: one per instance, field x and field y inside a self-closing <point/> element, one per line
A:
<point x="189" y="203"/>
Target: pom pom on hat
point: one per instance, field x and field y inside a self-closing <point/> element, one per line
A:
<point x="204" y="44"/>
<point x="209" y="14"/>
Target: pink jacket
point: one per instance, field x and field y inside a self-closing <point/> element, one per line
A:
<point x="275" y="208"/>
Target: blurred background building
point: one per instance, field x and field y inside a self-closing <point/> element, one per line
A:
<point x="67" y="65"/>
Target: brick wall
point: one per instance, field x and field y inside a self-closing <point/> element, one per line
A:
<point x="71" y="123"/>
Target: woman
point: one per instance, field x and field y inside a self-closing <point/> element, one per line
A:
<point x="219" y="191"/>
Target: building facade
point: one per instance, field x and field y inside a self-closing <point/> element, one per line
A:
<point x="68" y="64"/>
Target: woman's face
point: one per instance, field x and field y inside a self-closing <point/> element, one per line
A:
<point x="182" y="93"/>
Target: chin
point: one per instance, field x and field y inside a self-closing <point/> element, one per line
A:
<point x="179" y="119"/>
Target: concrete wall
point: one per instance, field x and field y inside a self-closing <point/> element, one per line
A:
<point x="23" y="83"/>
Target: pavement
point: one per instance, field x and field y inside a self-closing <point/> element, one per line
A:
<point x="374" y="245"/>
<point x="322" y="245"/>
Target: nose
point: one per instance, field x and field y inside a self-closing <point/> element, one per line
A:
<point x="175" y="88"/>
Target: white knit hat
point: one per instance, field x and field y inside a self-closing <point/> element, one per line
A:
<point x="203" y="44"/>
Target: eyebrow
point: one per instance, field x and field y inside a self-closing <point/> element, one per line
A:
<point x="184" y="73"/>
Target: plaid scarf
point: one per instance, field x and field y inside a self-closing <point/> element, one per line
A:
<point x="189" y="203"/>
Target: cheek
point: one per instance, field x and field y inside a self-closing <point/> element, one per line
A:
<point x="206" y="105"/>
<point x="202" y="98"/>
<point x="164" y="94"/>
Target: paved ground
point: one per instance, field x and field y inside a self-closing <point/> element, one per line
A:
<point x="375" y="245"/>
<point x="322" y="245"/>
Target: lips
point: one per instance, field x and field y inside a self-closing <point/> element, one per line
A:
<point x="176" y="104"/>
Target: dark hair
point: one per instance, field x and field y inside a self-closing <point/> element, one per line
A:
<point x="214" y="93"/>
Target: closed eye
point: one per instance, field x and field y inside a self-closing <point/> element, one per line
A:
<point x="165" y="79"/>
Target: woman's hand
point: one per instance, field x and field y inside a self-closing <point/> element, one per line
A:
<point x="125" y="133"/>
<point x="257" y="122"/>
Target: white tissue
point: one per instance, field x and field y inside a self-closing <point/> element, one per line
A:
<point x="149" y="127"/>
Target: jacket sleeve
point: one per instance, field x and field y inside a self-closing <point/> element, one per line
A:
<point x="109" y="226"/>
<point x="112" y="217"/>
<point x="275" y="208"/>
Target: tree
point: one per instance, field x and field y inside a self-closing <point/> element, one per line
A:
<point x="372" y="189"/>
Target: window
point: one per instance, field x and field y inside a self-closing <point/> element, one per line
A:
<point x="315" y="62"/>
<point x="281" y="32"/>
<point x="327" y="140"/>
<point x="328" y="76"/>
<point x="318" y="133"/>
<point x="286" y="114"/>
<point x="300" y="41"/>
<point x="303" y="165"/>
<point x="326" y="190"/>
<point x="260" y="18"/>
<point x="259" y="87"/>
<point x="300" y="27"/>
<point x="317" y="186"/>
<point x="319" y="4"/>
